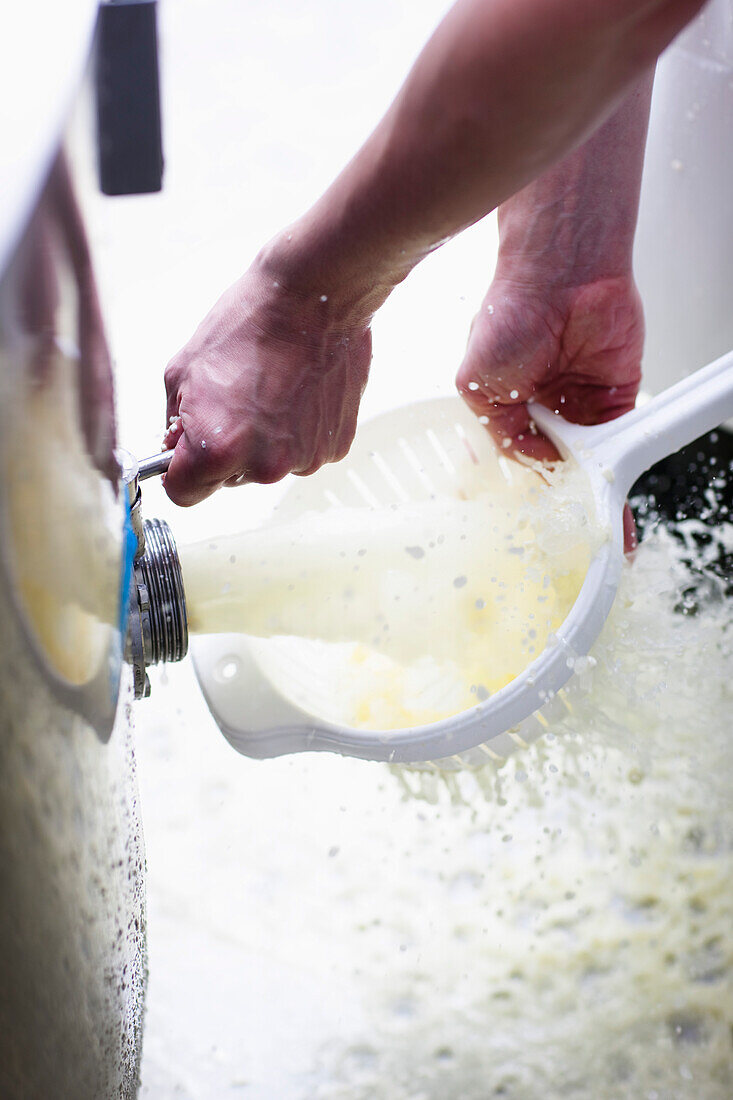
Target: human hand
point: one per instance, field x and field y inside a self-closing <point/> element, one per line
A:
<point x="269" y="384"/>
<point x="562" y="323"/>
<point x="576" y="350"/>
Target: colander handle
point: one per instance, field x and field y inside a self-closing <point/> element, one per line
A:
<point x="633" y="442"/>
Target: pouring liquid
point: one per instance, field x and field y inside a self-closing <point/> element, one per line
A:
<point x="464" y="588"/>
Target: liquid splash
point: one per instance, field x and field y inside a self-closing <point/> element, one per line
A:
<point x="580" y="904"/>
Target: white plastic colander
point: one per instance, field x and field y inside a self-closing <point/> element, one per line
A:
<point x="268" y="701"/>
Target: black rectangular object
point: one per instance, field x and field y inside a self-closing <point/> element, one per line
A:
<point x="128" y="98"/>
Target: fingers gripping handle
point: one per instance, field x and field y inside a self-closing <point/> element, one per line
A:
<point x="633" y="442"/>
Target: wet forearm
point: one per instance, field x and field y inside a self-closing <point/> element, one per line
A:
<point x="500" y="92"/>
<point x="575" y="224"/>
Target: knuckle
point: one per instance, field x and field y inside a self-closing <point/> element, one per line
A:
<point x="473" y="383"/>
<point x="343" y="445"/>
<point x="268" y="465"/>
<point x="314" y="463"/>
<point x="172" y="374"/>
<point x="341" y="451"/>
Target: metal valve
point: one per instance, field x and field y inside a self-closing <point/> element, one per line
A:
<point x="157" y="621"/>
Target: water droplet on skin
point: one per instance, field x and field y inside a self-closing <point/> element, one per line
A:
<point x="324" y="297"/>
<point x="203" y="443"/>
<point x="483" y="420"/>
<point x="218" y="430"/>
<point x="473" y="385"/>
<point x="506" y="443"/>
<point x="514" y="395"/>
<point x="489" y="309"/>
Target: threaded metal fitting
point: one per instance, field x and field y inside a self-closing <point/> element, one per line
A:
<point x="158" y="621"/>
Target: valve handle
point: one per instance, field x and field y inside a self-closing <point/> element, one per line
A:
<point x="156" y="464"/>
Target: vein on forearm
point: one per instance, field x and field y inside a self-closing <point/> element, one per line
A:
<point x="577" y="221"/>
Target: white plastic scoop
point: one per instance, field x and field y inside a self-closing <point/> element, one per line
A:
<point x="269" y="710"/>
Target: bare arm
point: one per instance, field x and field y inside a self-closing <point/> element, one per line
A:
<point x="562" y="321"/>
<point x="502" y="90"/>
<point x="576" y="223"/>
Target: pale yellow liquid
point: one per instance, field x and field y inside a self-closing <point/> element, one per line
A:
<point x="414" y="612"/>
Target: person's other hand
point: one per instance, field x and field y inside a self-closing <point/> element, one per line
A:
<point x="269" y="384"/>
<point x="575" y="349"/>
